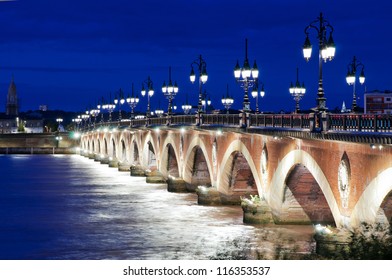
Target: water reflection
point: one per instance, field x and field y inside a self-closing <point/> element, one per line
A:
<point x="71" y="207"/>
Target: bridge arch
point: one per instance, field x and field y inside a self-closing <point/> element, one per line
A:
<point x="169" y="158"/>
<point x="113" y="148"/>
<point x="150" y="156"/>
<point x="99" y="146"/>
<point x="368" y="205"/>
<point x="123" y="151"/>
<point x="169" y="162"/>
<point x="105" y="147"/>
<point x="135" y="157"/>
<point x="192" y="165"/>
<point x="238" y="161"/>
<point x="276" y="192"/>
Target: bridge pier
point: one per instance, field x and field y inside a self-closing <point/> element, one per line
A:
<point x="332" y="243"/>
<point x="124" y="166"/>
<point x="208" y="196"/>
<point x="176" y="184"/>
<point x="137" y="171"/>
<point x="104" y="160"/>
<point x="256" y="211"/>
<point x="113" y="163"/>
<point x="155" y="177"/>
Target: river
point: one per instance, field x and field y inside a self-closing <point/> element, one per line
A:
<point x="70" y="207"/>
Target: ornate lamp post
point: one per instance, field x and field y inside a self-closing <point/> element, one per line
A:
<point x="170" y="92"/>
<point x="297" y="92"/>
<point x="94" y="113"/>
<point x="132" y="101"/>
<point x="77" y="121"/>
<point x="100" y="108"/>
<point x="326" y="52"/>
<point x="351" y="79"/>
<point x="149" y="92"/>
<point x="186" y="107"/>
<point x="201" y="66"/>
<point x="247" y="77"/>
<point x="227" y="101"/>
<point x="206" y="103"/>
<point x="255" y="94"/>
<point x="59" y="121"/>
<point x="110" y="107"/>
<point x="120" y="101"/>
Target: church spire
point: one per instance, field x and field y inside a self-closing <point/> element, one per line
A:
<point x="12" y="107"/>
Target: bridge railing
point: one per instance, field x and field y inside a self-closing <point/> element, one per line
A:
<point x="223" y="119"/>
<point x="281" y="120"/>
<point x="360" y="122"/>
<point x="334" y="122"/>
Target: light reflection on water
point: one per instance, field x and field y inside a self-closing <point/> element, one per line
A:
<point x="70" y="207"/>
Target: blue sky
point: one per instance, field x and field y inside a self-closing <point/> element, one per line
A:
<point x="68" y="54"/>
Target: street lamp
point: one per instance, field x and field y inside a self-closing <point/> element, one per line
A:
<point x="149" y="92"/>
<point x="351" y="79"/>
<point x="170" y="92"/>
<point x="59" y="121"/>
<point x="110" y="107"/>
<point x="247" y="77"/>
<point x="206" y="103"/>
<point x="326" y="52"/>
<point x="132" y="101"/>
<point x="186" y="107"/>
<point x="297" y="92"/>
<point x="201" y="66"/>
<point x="255" y="94"/>
<point x="100" y="109"/>
<point x="77" y="121"/>
<point x="227" y="101"/>
<point x="120" y="101"/>
<point x="94" y="113"/>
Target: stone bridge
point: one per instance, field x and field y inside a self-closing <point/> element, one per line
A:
<point x="332" y="178"/>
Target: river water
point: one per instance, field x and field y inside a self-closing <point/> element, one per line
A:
<point x="70" y="207"/>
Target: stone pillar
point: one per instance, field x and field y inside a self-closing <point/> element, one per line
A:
<point x="105" y="160"/>
<point x="113" y="163"/>
<point x="256" y="212"/>
<point x="244" y="119"/>
<point x="124" y="166"/>
<point x="176" y="185"/>
<point x="155" y="177"/>
<point x="331" y="243"/>
<point x="208" y="196"/>
<point x="97" y="157"/>
<point x="137" y="171"/>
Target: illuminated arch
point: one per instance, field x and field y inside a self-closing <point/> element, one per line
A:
<point x="370" y="201"/>
<point x="223" y="174"/>
<point x="275" y="194"/>
<point x="146" y="151"/>
<point x="168" y="145"/>
<point x="187" y="167"/>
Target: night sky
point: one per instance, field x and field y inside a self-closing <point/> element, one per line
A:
<point x="67" y="54"/>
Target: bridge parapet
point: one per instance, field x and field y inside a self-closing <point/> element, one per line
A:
<point x="360" y="128"/>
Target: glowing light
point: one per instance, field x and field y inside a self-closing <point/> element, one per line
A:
<point x="76" y="135"/>
<point x="322" y="229"/>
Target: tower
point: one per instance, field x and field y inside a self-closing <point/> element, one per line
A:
<point x="12" y="107"/>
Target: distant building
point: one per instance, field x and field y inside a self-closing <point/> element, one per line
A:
<point x="344" y="109"/>
<point x="43" y="108"/>
<point x="12" y="121"/>
<point x="12" y="106"/>
<point x="377" y="102"/>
